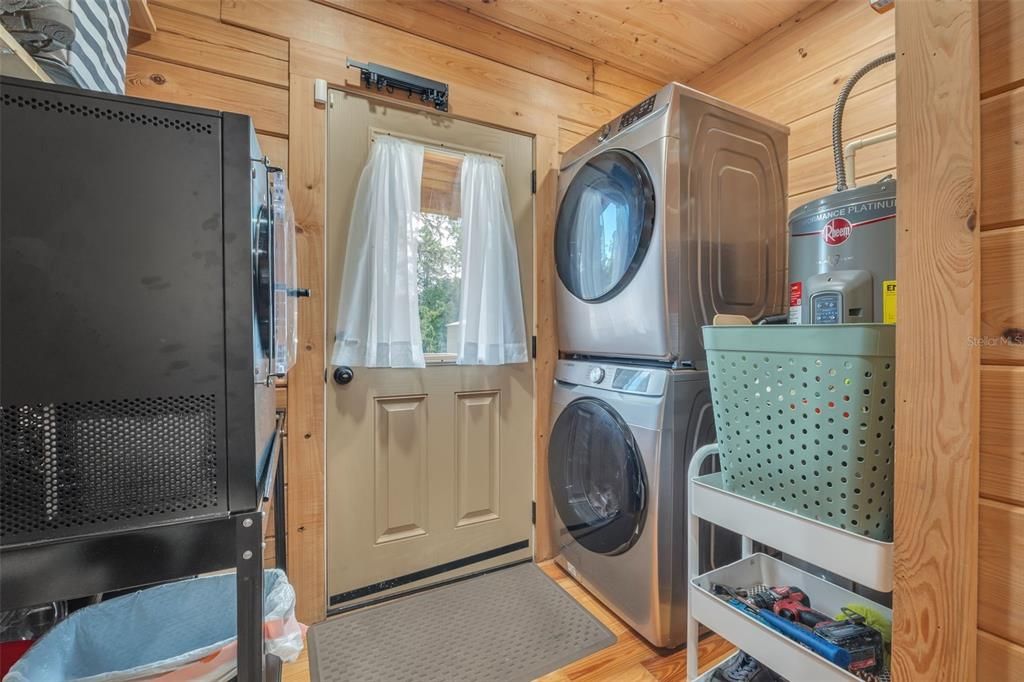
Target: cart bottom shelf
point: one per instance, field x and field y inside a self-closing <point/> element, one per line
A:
<point x="708" y="675"/>
<point x="781" y="654"/>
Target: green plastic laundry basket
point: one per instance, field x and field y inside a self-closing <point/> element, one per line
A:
<point x="804" y="415"/>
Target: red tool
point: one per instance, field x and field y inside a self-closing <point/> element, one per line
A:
<point x="792" y="604"/>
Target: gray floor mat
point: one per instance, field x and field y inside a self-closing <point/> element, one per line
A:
<point x="514" y="624"/>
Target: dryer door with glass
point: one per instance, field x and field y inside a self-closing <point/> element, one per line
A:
<point x="604" y="226"/>
<point x="597" y="478"/>
<point x="608" y="254"/>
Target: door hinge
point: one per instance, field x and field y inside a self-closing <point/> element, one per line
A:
<point x="533" y="347"/>
<point x="533" y="513"/>
<point x="533" y="181"/>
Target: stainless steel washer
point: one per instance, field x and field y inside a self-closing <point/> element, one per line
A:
<point x="620" y="445"/>
<point x="672" y="212"/>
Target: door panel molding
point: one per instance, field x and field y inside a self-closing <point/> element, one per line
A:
<point x="400" y="463"/>
<point x="477" y="457"/>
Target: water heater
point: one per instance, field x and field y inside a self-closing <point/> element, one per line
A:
<point x="842" y="247"/>
<point x="842" y="257"/>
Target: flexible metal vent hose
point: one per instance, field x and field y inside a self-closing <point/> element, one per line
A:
<point x="837" y="116"/>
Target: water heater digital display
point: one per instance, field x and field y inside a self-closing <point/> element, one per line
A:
<point x="827" y="308"/>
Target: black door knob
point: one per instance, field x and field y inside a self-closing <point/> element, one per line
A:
<point x="343" y="375"/>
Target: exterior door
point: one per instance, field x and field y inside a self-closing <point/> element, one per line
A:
<point x="429" y="471"/>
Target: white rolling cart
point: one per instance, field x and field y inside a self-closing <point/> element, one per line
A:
<point x="858" y="558"/>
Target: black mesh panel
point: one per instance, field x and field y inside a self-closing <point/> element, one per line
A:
<point x="72" y="468"/>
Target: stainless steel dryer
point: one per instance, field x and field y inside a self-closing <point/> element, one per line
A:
<point x="672" y="212"/>
<point x="620" y="445"/>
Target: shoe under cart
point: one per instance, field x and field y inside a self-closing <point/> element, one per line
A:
<point x="856" y="557"/>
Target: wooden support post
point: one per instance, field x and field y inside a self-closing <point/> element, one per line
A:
<point x="307" y="559"/>
<point x="938" y="364"/>
<point x="545" y="210"/>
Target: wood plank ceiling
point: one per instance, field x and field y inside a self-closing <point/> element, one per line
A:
<point x="661" y="40"/>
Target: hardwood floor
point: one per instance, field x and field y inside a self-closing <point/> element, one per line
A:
<point x="630" y="659"/>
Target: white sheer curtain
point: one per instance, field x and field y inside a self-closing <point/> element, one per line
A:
<point x="378" y="313"/>
<point x="492" y="327"/>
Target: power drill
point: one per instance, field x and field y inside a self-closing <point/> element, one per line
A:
<point x="792" y="604"/>
<point x="862" y="642"/>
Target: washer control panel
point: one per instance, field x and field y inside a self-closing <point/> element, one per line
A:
<point x="636" y="113"/>
<point x="635" y="379"/>
<point x="631" y="380"/>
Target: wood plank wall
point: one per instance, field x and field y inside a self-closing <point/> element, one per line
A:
<point x="260" y="57"/>
<point x="1001" y="506"/>
<point x="793" y="74"/>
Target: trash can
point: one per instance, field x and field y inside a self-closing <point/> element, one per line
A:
<point x="20" y="628"/>
<point x="188" y="628"/>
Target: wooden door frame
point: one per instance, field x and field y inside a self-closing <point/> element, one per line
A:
<point x="938" y="367"/>
<point x="306" y="465"/>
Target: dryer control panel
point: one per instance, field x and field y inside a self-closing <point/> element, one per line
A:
<point x="636" y="113"/>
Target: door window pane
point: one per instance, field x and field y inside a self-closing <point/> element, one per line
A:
<point x="439" y="280"/>
<point x="439" y="268"/>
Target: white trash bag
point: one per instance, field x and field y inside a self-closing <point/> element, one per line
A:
<point x="179" y="631"/>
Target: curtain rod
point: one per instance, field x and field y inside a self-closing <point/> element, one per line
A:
<point x="439" y="147"/>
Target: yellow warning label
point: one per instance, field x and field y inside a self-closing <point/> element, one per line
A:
<point x="889" y="301"/>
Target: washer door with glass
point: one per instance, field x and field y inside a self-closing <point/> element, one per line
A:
<point x="605" y="223"/>
<point x="597" y="477"/>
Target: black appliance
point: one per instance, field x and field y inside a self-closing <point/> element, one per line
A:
<point x="146" y="266"/>
<point x="137" y="299"/>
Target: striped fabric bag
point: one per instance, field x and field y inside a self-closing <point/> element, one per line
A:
<point x="96" y="29"/>
<point x="97" y="57"/>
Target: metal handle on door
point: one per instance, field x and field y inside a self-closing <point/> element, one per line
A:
<point x="343" y="375"/>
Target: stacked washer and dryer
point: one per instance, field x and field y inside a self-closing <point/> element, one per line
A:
<point x="669" y="214"/>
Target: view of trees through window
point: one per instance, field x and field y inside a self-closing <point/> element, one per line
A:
<point x="439" y="278"/>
